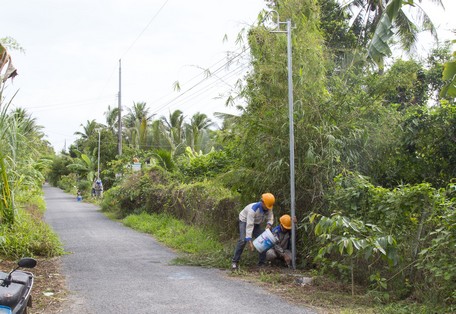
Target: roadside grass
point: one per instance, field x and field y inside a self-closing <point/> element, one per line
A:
<point x="29" y="235"/>
<point x="199" y="247"/>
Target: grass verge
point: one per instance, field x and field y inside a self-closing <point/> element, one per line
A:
<point x="29" y="236"/>
<point x="200" y="247"/>
<point x="197" y="246"/>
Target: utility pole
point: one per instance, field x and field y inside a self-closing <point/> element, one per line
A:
<point x="99" y="138"/>
<point x="119" y="132"/>
<point x="291" y="130"/>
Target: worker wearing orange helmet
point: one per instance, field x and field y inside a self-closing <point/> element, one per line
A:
<point x="250" y="219"/>
<point x="281" y="249"/>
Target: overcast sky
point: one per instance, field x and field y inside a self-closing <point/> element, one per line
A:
<point x="69" y="71"/>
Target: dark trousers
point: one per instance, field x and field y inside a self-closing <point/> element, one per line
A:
<point x="257" y="230"/>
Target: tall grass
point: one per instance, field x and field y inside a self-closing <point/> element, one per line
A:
<point x="7" y="165"/>
<point x="22" y="232"/>
<point x="28" y="236"/>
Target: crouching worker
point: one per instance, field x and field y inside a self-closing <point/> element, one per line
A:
<point x="281" y="250"/>
<point x="250" y="219"/>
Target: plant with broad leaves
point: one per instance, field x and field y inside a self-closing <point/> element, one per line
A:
<point x="353" y="240"/>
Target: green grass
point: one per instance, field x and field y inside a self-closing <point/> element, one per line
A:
<point x="201" y="246"/>
<point x="28" y="237"/>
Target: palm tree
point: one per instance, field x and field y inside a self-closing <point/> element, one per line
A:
<point x="137" y="122"/>
<point x="199" y="123"/>
<point x="385" y="20"/>
<point x="89" y="129"/>
<point x="112" y="119"/>
<point x="173" y="127"/>
<point x="139" y="112"/>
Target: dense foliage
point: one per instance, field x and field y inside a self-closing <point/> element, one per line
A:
<point x="374" y="150"/>
<point x="24" y="158"/>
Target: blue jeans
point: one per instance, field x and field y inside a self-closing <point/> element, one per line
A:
<point x="257" y="230"/>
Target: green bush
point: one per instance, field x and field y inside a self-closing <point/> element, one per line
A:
<point x="197" y="167"/>
<point x="69" y="182"/>
<point x="205" y="204"/>
<point x="84" y="186"/>
<point x="28" y="237"/>
<point x="421" y="218"/>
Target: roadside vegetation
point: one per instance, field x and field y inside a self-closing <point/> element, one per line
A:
<point x="24" y="158"/>
<point x="375" y="161"/>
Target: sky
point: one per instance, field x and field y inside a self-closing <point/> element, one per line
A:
<point x="69" y="73"/>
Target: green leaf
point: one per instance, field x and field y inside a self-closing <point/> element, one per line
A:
<point x="318" y="230"/>
<point x="379" y="47"/>
<point x="350" y="247"/>
<point x="449" y="76"/>
<point x="341" y="247"/>
<point x="313" y="217"/>
<point x="380" y="248"/>
<point x="86" y="159"/>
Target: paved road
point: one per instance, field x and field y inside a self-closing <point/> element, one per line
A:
<point x="114" y="269"/>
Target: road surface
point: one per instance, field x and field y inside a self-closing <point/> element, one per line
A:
<point x="114" y="269"/>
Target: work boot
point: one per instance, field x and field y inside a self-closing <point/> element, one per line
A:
<point x="234" y="266"/>
<point x="261" y="265"/>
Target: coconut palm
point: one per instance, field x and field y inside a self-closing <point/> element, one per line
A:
<point x="89" y="129"/>
<point x="199" y="123"/>
<point x="384" y="20"/>
<point x="112" y="119"/>
<point x="136" y="123"/>
<point x="138" y="112"/>
<point x="27" y="123"/>
<point x="173" y="128"/>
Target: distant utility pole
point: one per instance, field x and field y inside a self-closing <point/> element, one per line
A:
<point x="99" y="140"/>
<point x="119" y="133"/>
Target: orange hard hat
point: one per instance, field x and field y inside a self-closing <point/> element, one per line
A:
<point x="285" y="221"/>
<point x="268" y="200"/>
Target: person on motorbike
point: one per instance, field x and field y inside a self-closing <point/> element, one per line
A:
<point x="281" y="250"/>
<point x="250" y="219"/>
<point x="98" y="185"/>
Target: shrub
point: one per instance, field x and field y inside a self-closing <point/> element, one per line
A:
<point x="421" y="219"/>
<point x="28" y="237"/>
<point x="68" y="183"/>
<point x="205" y="204"/>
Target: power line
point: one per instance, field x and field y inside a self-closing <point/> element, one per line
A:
<point x="145" y="28"/>
<point x="200" y="82"/>
<point x="208" y="87"/>
<point x="198" y="75"/>
<point x="134" y="42"/>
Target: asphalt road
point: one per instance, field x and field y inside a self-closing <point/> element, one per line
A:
<point x="114" y="269"/>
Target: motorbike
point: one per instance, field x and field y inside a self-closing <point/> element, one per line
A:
<point x="16" y="287"/>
